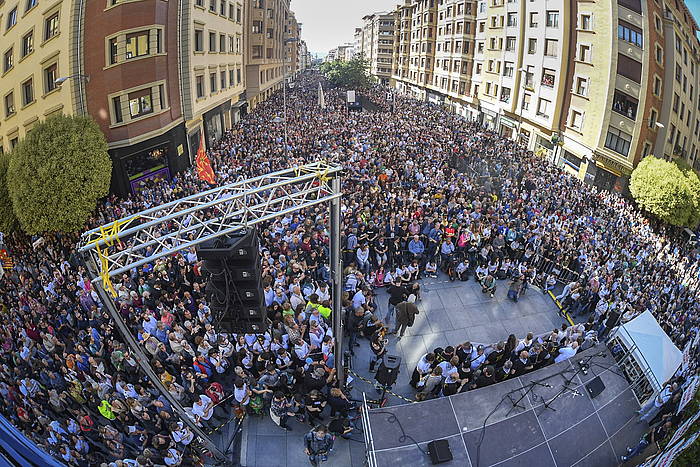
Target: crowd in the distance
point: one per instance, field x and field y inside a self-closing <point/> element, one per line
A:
<point x="70" y="383"/>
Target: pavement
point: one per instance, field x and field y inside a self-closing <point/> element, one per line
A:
<point x="450" y="314"/>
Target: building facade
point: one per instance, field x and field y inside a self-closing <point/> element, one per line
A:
<point x="34" y="44"/>
<point x="375" y="41"/>
<point x="265" y="48"/>
<point x="593" y="85"/>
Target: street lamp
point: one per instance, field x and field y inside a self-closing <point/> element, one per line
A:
<point x="284" y="92"/>
<point x="519" y="104"/>
<point x="63" y="79"/>
<point x="80" y="78"/>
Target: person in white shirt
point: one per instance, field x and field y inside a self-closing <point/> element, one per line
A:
<point x="566" y="352"/>
<point x="652" y="408"/>
<point x="422" y="368"/>
<point x="181" y="434"/>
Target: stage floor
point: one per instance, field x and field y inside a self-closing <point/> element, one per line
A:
<point x="580" y="431"/>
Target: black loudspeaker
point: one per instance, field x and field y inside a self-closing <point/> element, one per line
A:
<point x="439" y="451"/>
<point x="388" y="371"/>
<point x="595" y="387"/>
<point x="234" y="288"/>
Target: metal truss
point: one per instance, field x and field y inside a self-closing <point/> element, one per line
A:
<point x="128" y="243"/>
<point x="178" y="225"/>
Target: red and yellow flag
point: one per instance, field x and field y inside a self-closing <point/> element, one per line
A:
<point x="204" y="169"/>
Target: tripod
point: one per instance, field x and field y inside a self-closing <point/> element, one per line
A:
<point x="516" y="403"/>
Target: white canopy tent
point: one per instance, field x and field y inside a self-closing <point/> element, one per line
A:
<point x="651" y="348"/>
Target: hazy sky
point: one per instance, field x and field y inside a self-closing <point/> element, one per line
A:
<point x="329" y="23"/>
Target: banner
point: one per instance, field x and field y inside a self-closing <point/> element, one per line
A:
<point x="684" y="427"/>
<point x="669" y="455"/>
<point x="351" y="97"/>
<point x="321" y="97"/>
<point x="204" y="170"/>
<point x="688" y="392"/>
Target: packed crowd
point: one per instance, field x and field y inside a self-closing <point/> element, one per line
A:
<point x="70" y="383"/>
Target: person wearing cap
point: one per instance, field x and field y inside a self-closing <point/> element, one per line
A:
<point x="405" y="315"/>
<point x="318" y="443"/>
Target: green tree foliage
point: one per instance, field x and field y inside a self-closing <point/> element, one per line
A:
<point x="8" y="221"/>
<point x="351" y="74"/>
<point x="57" y="173"/>
<point x="668" y="190"/>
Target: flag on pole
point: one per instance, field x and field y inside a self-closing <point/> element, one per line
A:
<point x="321" y="97"/>
<point x="204" y="169"/>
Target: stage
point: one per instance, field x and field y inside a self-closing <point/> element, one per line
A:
<point x="581" y="430"/>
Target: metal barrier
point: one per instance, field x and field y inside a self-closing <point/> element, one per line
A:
<point x="370" y="455"/>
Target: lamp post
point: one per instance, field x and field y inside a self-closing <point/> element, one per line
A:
<point x="520" y="103"/>
<point x="284" y="92"/>
<point x="80" y="78"/>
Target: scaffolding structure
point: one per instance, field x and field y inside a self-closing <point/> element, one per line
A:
<point x="145" y="237"/>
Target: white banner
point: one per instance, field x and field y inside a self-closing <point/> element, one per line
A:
<point x="688" y="393"/>
<point x="683" y="428"/>
<point x="351" y="96"/>
<point x="667" y="458"/>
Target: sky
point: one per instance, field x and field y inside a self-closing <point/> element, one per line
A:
<point x="694" y="6"/>
<point x="329" y="23"/>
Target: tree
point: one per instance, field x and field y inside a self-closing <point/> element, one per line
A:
<point x="57" y="173"/>
<point x="351" y="74"/>
<point x="668" y="190"/>
<point x="8" y="221"/>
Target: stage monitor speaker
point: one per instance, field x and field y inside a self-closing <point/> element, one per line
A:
<point x="388" y="371"/>
<point x="595" y="387"/>
<point x="439" y="451"/>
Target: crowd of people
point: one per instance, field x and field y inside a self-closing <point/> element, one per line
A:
<point x="68" y="380"/>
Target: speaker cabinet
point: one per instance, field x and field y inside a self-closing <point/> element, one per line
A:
<point x="439" y="451"/>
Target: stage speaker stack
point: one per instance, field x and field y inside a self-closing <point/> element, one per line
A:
<point x="388" y="371"/>
<point x="439" y="451"/>
<point x="234" y="289"/>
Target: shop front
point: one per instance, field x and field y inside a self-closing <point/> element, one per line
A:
<point x="509" y="127"/>
<point x="140" y="165"/>
<point x="489" y="118"/>
<point x="216" y="121"/>
<point x="610" y="175"/>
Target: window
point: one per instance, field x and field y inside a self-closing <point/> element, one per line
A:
<point x="257" y="27"/>
<point x="30" y="4"/>
<point x="28" y="44"/>
<point x="512" y="19"/>
<point x="584" y="53"/>
<point x="137" y="44"/>
<point x="257" y="51"/>
<point x="212" y="82"/>
<point x="238" y="75"/>
<point x="646" y="149"/>
<point x="652" y="118"/>
<point x="626" y="105"/>
<point x="11" y="18"/>
<point x="510" y="44"/>
<point x="659" y="54"/>
<point x="222" y="79"/>
<point x="117" y="108"/>
<point x="630" y="33"/>
<point x="548" y="78"/>
<point x="199" y="3"/>
<point x="505" y="94"/>
<point x="51" y="26"/>
<point x="50" y="75"/>
<point x="10" y="104"/>
<point x="28" y="92"/>
<point x="629" y="68"/>
<point x="222" y="43"/>
<point x="576" y="119"/>
<point x="634" y="5"/>
<point x="581" y="86"/>
<point x="618" y="141"/>
<point x="552" y="19"/>
<point x="585" y="22"/>
<point x="676" y="103"/>
<point x="657" y="86"/>
<point x="212" y="6"/>
<point x="8" y="61"/>
<point x="222" y="8"/>
<point x="13" y="142"/>
<point x="198" y="40"/>
<point x="543" y="107"/>
<point x="140" y="103"/>
<point x="508" y="69"/>
<point x="526" y="101"/>
<point x="239" y="14"/>
<point x="533" y="19"/>
<point x="199" y="80"/>
<point x="231" y="81"/>
<point x="212" y="42"/>
<point x="531" y="46"/>
<point x="551" y="47"/>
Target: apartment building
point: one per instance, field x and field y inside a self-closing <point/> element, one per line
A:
<point x="595" y="86"/>
<point x="265" y="48"/>
<point x="375" y="40"/>
<point x="304" y="57"/>
<point x="417" y="23"/>
<point x="34" y="47"/>
<point x="454" y="52"/>
<point x="292" y="33"/>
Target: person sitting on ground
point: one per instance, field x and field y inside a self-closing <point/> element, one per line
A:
<point x="431" y="269"/>
<point x="488" y="285"/>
